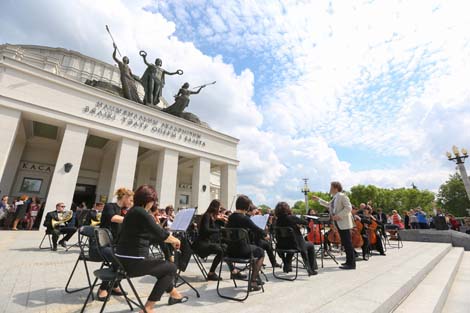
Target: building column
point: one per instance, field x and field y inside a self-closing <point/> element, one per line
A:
<point x="143" y="174"/>
<point x="63" y="183"/>
<point x="9" y="122"/>
<point x="167" y="173"/>
<point x="106" y="172"/>
<point x="124" y="166"/>
<point x="228" y="185"/>
<point x="13" y="162"/>
<point x="201" y="192"/>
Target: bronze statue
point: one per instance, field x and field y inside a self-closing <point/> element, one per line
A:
<point x="153" y="80"/>
<point x="182" y="100"/>
<point x="128" y="79"/>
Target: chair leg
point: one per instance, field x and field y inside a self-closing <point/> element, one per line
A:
<point x="42" y="241"/>
<point x="110" y="289"/>
<point x="125" y="296"/>
<point x="70" y="278"/>
<point x="136" y="295"/>
<point x="89" y="294"/>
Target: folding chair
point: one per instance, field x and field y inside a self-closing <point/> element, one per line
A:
<point x="88" y="253"/>
<point x="48" y="235"/>
<point x="393" y="230"/>
<point x="236" y="236"/>
<point x="114" y="274"/>
<point x="286" y="234"/>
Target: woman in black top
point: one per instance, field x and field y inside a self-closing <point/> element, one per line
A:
<point x="138" y="230"/>
<point x="111" y="219"/>
<point x="207" y="241"/>
<point x="239" y="219"/>
<point x="286" y="219"/>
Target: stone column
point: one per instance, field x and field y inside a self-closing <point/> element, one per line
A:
<point x="201" y="193"/>
<point x="228" y="185"/>
<point x="124" y="166"/>
<point x="106" y="171"/>
<point x="63" y="184"/>
<point x="167" y="172"/>
<point x="13" y="162"/>
<point x="9" y="121"/>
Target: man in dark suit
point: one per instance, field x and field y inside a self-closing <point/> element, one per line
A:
<point x="62" y="228"/>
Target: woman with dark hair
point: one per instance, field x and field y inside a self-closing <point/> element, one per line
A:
<point x="239" y="219"/>
<point x="21" y="207"/>
<point x="285" y="218"/>
<point x="207" y="242"/>
<point x="138" y="230"/>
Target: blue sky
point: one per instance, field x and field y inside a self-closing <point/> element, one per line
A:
<point x="370" y="92"/>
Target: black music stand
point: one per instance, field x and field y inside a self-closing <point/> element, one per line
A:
<point x="322" y="221"/>
<point x="179" y="228"/>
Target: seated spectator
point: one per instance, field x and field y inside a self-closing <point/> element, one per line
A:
<point x="396" y="219"/>
<point x="454" y="223"/>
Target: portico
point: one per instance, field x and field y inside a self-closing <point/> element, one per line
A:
<point x="63" y="139"/>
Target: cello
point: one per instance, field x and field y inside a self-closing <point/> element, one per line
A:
<point x="333" y="235"/>
<point x="315" y="236"/>
<point x="356" y="236"/>
<point x="372" y="231"/>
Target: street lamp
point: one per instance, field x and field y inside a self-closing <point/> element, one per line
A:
<point x="305" y="190"/>
<point x="459" y="158"/>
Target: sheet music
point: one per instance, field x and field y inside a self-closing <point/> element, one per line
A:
<point x="182" y="220"/>
<point x="312" y="217"/>
<point x="260" y="220"/>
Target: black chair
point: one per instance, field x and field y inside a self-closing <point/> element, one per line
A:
<point x="88" y="253"/>
<point x="286" y="234"/>
<point x="236" y="236"/>
<point x="48" y="235"/>
<point x="393" y="235"/>
<point x="115" y="272"/>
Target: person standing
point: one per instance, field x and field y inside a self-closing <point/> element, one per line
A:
<point x="340" y="211"/>
<point x="20" y="213"/>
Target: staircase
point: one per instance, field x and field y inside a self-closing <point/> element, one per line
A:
<point x="445" y="288"/>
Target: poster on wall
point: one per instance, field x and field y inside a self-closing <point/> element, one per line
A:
<point x="31" y="185"/>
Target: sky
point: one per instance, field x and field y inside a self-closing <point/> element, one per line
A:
<point x="364" y="92"/>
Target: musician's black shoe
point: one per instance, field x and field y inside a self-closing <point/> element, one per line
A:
<point x="54" y="248"/>
<point x="238" y="275"/>
<point x="343" y="264"/>
<point x="255" y="287"/>
<point x="172" y="301"/>
<point x="312" y="272"/>
<point x="347" y="267"/>
<point x="118" y="293"/>
<point x="287" y="268"/>
<point x="383" y="253"/>
<point x="213" y="277"/>
<point x="365" y="258"/>
<point x="259" y="282"/>
<point x="62" y="243"/>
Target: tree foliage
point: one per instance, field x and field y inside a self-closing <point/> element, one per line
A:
<point x="453" y="197"/>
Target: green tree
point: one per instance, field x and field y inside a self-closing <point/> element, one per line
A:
<point x="264" y="208"/>
<point x="453" y="197"/>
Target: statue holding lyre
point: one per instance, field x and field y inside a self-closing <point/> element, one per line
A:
<point x="153" y="80"/>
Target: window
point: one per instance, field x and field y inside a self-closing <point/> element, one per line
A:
<point x="184" y="199"/>
<point x="31" y="185"/>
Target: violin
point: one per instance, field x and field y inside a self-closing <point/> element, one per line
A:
<point x="356" y="236"/>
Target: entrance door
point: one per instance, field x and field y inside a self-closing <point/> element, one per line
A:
<point x="85" y="193"/>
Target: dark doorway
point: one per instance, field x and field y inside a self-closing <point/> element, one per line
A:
<point x="85" y="193"/>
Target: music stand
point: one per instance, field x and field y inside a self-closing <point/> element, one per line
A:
<point x="322" y="221"/>
<point x="179" y="228"/>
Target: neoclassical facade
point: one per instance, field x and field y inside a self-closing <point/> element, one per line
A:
<point x="64" y="140"/>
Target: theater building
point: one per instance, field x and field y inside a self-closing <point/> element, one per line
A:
<point x="66" y="140"/>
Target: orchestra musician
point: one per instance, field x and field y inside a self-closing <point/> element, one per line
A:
<point x="364" y="221"/>
<point x="239" y="219"/>
<point x="260" y="240"/>
<point x="340" y="211"/>
<point x="285" y="218"/>
<point x="166" y="248"/>
<point x="94" y="213"/>
<point x="138" y="230"/>
<point x="63" y="228"/>
<point x="207" y="242"/>
<point x="112" y="219"/>
<point x="379" y="244"/>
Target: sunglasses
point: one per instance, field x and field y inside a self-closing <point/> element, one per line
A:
<point x="62" y="206"/>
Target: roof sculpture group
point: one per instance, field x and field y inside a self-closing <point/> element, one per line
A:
<point x="153" y="81"/>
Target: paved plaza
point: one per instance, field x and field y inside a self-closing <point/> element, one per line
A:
<point x="33" y="280"/>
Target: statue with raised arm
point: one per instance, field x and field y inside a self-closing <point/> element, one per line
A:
<point x="153" y="80"/>
<point x="182" y="100"/>
<point x="128" y="79"/>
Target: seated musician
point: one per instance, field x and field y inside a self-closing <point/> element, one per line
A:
<point x="94" y="213"/>
<point x="62" y="228"/>
<point x="132" y="249"/>
<point x="285" y="218"/>
<point x="111" y="219"/>
<point x="166" y="248"/>
<point x="207" y="242"/>
<point x="378" y="245"/>
<point x="239" y="219"/>
<point x="260" y="241"/>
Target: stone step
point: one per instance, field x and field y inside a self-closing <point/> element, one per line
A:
<point x="431" y="294"/>
<point x="458" y="300"/>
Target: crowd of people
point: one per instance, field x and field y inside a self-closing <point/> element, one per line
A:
<point x="21" y="213"/>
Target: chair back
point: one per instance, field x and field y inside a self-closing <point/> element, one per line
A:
<point x="106" y="249"/>
<point x="234" y="236"/>
<point x="285" y="236"/>
<point x="88" y="244"/>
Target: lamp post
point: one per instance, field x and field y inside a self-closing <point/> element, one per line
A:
<point x="305" y="190"/>
<point x="459" y="158"/>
